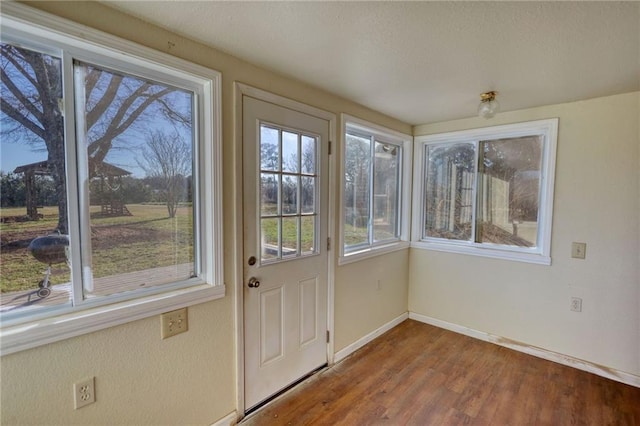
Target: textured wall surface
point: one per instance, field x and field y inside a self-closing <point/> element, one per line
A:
<point x="597" y="201"/>
<point x="370" y="292"/>
<point x="427" y="61"/>
<point x="140" y="379"/>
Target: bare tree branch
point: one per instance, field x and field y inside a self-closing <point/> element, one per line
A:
<point x="20" y="97"/>
<point x="105" y="101"/>
<point x="173" y="114"/>
<point x="32" y="87"/>
<point x="100" y="147"/>
<point x="12" y="112"/>
<point x="10" y="53"/>
<point x="168" y="158"/>
<point x="91" y="79"/>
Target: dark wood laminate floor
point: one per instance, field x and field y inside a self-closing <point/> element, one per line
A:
<point x="417" y="374"/>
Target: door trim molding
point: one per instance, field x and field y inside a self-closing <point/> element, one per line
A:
<point x="240" y="90"/>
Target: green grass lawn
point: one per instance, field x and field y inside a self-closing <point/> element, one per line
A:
<point x="290" y="232"/>
<point x="147" y="239"/>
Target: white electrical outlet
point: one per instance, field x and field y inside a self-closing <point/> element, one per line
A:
<point x="84" y="393"/>
<point x="174" y="322"/>
<point x="576" y="304"/>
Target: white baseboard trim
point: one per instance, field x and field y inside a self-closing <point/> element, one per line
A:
<point x="343" y="353"/>
<point x="229" y="420"/>
<point x="609" y="373"/>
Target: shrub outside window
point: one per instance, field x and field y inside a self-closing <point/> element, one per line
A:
<point x="110" y="160"/>
<point x="487" y="191"/>
<point x="375" y="189"/>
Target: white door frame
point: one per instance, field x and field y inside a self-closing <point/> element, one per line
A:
<point x="240" y="90"/>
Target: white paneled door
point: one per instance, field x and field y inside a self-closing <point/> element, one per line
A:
<point x="285" y="246"/>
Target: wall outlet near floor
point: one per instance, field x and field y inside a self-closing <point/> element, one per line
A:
<point x="576" y="304"/>
<point x="174" y="322"/>
<point x="84" y="393"/>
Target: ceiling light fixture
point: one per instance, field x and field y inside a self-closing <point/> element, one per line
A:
<point x="488" y="104"/>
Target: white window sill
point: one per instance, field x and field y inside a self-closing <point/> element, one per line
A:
<point x="52" y="329"/>
<point x="372" y="252"/>
<point x="494" y="253"/>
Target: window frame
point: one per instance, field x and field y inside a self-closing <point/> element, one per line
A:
<point x="405" y="142"/>
<point x="541" y="254"/>
<point x="73" y="41"/>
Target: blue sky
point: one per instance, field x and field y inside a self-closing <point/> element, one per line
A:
<point x="13" y="154"/>
<point x="126" y="147"/>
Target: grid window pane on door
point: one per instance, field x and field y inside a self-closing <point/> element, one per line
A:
<point x="288" y="193"/>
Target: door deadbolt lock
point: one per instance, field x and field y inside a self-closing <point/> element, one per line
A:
<point x="251" y="261"/>
<point x="253" y="282"/>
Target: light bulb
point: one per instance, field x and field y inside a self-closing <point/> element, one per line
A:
<point x="489" y="106"/>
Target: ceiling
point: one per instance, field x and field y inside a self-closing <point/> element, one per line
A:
<point x="424" y="62"/>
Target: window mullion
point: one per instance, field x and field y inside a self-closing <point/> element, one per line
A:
<point x="280" y="194"/>
<point x="399" y="186"/>
<point x="475" y="193"/>
<point x="82" y="173"/>
<point x="299" y="198"/>
<point x="199" y="212"/>
<point x="372" y="160"/>
<point x="71" y="170"/>
<point x="424" y="188"/>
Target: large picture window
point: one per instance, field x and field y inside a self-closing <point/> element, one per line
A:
<point x="375" y="189"/>
<point x="110" y="158"/>
<point x="487" y="191"/>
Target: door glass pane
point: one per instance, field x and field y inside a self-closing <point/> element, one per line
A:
<point x="290" y="152"/>
<point x="309" y="149"/>
<point x="289" y="236"/>
<point x="449" y="191"/>
<point x="269" y="184"/>
<point x="269" y="148"/>
<point x="308" y="234"/>
<point x="34" y="253"/>
<point x="290" y="194"/>
<point x="357" y="189"/>
<point x="269" y="233"/>
<point x="508" y="191"/>
<point x="139" y="165"/>
<point x="385" y="188"/>
<point x="308" y="194"/>
<point x="287" y="194"/>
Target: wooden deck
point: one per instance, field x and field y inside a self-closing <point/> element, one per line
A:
<point x="113" y="284"/>
<point x="417" y="374"/>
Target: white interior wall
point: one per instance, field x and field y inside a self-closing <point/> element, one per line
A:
<point x="369" y="294"/>
<point x="597" y="201"/>
<point x="190" y="378"/>
<point x="141" y="379"/>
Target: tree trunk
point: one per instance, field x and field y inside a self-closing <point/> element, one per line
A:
<point x="56" y="162"/>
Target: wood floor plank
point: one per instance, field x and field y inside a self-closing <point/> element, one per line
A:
<point x="417" y="374"/>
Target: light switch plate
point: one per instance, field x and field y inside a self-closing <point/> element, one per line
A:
<point x="578" y="250"/>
